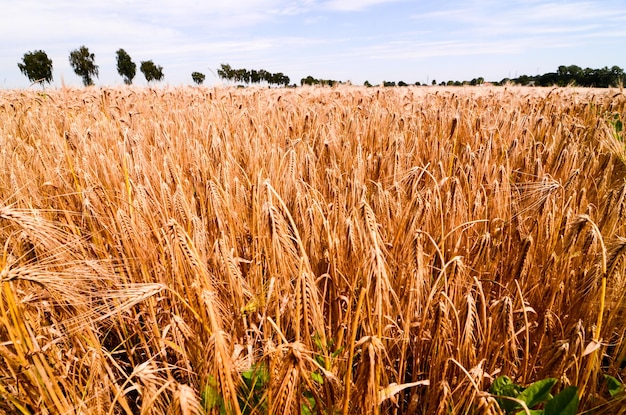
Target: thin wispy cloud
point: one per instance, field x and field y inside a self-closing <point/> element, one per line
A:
<point x="355" y="5"/>
<point x="531" y="18"/>
<point x="337" y="39"/>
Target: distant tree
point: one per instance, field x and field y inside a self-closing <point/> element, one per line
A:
<point x="225" y="72"/>
<point x="246" y="76"/>
<point x="434" y="82"/>
<point x="402" y="83"/>
<point x="566" y="75"/>
<point x="575" y="75"/>
<point x="575" y="72"/>
<point x="548" y="79"/>
<point x="255" y="77"/>
<point x="37" y="66"/>
<point x="279" y="79"/>
<point x="418" y="83"/>
<point x="125" y="66"/>
<point x="617" y="74"/>
<point x="264" y="76"/>
<point x="198" y="77"/>
<point x="84" y="64"/>
<point x="242" y="75"/>
<point x="151" y="71"/>
<point x="367" y="84"/>
<point x="309" y="80"/>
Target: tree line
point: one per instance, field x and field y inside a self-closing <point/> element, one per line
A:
<point x="309" y="80"/>
<point x="37" y="67"/>
<point x="251" y="76"/>
<point x="574" y="75"/>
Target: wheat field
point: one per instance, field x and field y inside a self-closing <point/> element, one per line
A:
<point x="310" y="250"/>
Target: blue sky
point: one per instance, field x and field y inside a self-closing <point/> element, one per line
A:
<point x="355" y="40"/>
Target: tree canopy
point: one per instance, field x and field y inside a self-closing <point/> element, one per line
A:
<point x="255" y="76"/>
<point x="309" y="80"/>
<point x="84" y="64"/>
<point x="151" y="71"/>
<point x="125" y="66"/>
<point x="36" y="66"/>
<point x="198" y="77"/>
<point x="575" y="75"/>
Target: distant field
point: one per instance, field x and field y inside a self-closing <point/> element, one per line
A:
<point x="309" y="250"/>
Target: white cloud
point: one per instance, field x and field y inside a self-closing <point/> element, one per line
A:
<point x="528" y="17"/>
<point x="354" y="5"/>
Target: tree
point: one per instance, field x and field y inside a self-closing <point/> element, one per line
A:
<point x="37" y="66"/>
<point x="151" y="71"/>
<point x="264" y="76"/>
<point x="240" y="75"/>
<point x="198" y="77"/>
<point x="255" y="77"/>
<point x="575" y="72"/>
<point x="309" y="80"/>
<point x="225" y="72"/>
<point x="617" y="75"/>
<point x="84" y="64"/>
<point x="279" y="79"/>
<point x="125" y="66"/>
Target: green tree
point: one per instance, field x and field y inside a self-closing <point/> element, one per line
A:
<point x="151" y="71"/>
<point x="225" y="72"/>
<point x="264" y="76"/>
<point x="37" y="66"/>
<point x="255" y="76"/>
<point x="84" y="64"/>
<point x="309" y="80"/>
<point x="617" y="75"/>
<point x="242" y="75"/>
<point x="125" y="66"/>
<point x="280" y="79"/>
<point x="198" y="77"/>
<point x="575" y="72"/>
